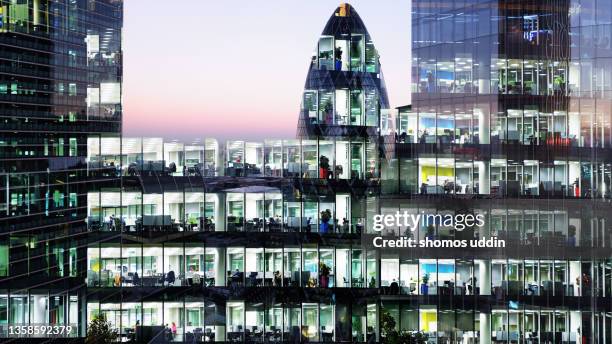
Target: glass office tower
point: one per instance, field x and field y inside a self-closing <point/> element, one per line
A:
<point x="249" y="241"/>
<point x="271" y="241"/>
<point x="60" y="84"/>
<point x="345" y="93"/>
<point x="510" y="118"/>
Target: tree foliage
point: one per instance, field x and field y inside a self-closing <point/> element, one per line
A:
<point x="392" y="336"/>
<point x="100" y="331"/>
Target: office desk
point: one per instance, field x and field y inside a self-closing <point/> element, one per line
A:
<point x="327" y="336"/>
<point x="235" y="336"/>
<point x="150" y="281"/>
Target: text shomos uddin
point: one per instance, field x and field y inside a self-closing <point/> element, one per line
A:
<point x="413" y="221"/>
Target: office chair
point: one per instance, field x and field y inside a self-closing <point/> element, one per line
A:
<point x="346" y="283"/>
<point x="253" y="279"/>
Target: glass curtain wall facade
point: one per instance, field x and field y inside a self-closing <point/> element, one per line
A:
<point x="345" y="93"/>
<point x="510" y="108"/>
<point x="283" y="254"/>
<point x="60" y="83"/>
<point x="249" y="260"/>
<point x="270" y="241"/>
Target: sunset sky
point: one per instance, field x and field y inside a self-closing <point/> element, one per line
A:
<point x="236" y="69"/>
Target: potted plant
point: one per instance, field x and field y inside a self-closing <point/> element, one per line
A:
<point x="559" y="84"/>
<point x="325" y="217"/>
<point x="323" y="275"/>
<point x="100" y="331"/>
<point x="387" y="324"/>
<point x="414" y="338"/>
<point x="424" y="285"/>
<point x="389" y="335"/>
<point x="192" y="221"/>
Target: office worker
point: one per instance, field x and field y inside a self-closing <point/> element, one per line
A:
<point x="189" y="273"/>
<point x="170" y="276"/>
<point x="277" y="278"/>
<point x="471" y="285"/>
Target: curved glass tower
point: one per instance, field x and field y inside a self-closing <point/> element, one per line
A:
<point x="345" y="92"/>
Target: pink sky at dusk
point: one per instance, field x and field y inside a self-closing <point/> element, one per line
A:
<point x="236" y="70"/>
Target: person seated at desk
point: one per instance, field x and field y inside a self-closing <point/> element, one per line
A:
<point x="136" y="326"/>
<point x="359" y="226"/>
<point x="252" y="279"/>
<point x="235" y="274"/>
<point x="112" y="223"/>
<point x="278" y="280"/>
<point x="423" y="190"/>
<point x="209" y="336"/>
<point x="235" y="277"/>
<point x="209" y="223"/>
<point x="326" y="335"/>
<point x="423" y="138"/>
<point x="370" y="335"/>
<point x="117" y="279"/>
<point x="471" y="285"/>
<point x="271" y="222"/>
<point x="190" y="275"/>
<point x="532" y="289"/>
<point x="448" y="186"/>
<point x="394" y="288"/>
<point x="170" y="277"/>
<point x="338" y="170"/>
<point x="345" y="225"/>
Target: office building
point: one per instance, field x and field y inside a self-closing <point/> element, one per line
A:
<point x="510" y="118"/>
<point x="247" y="259"/>
<point x="345" y="93"/>
<point x="60" y="84"/>
<point x="272" y="241"/>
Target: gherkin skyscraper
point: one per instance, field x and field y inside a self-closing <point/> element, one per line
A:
<point x="344" y="94"/>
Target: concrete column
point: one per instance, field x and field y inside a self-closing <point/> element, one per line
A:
<point x="484" y="86"/>
<point x="220" y="269"/>
<point x="485" y="328"/>
<point x="483" y="74"/>
<point x="221" y="214"/>
<point x="484" y="178"/>
<point x="38" y="311"/>
<point x="484" y="276"/>
<point x="220" y="335"/>
<point x="377" y="327"/>
<point x="483" y="115"/>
